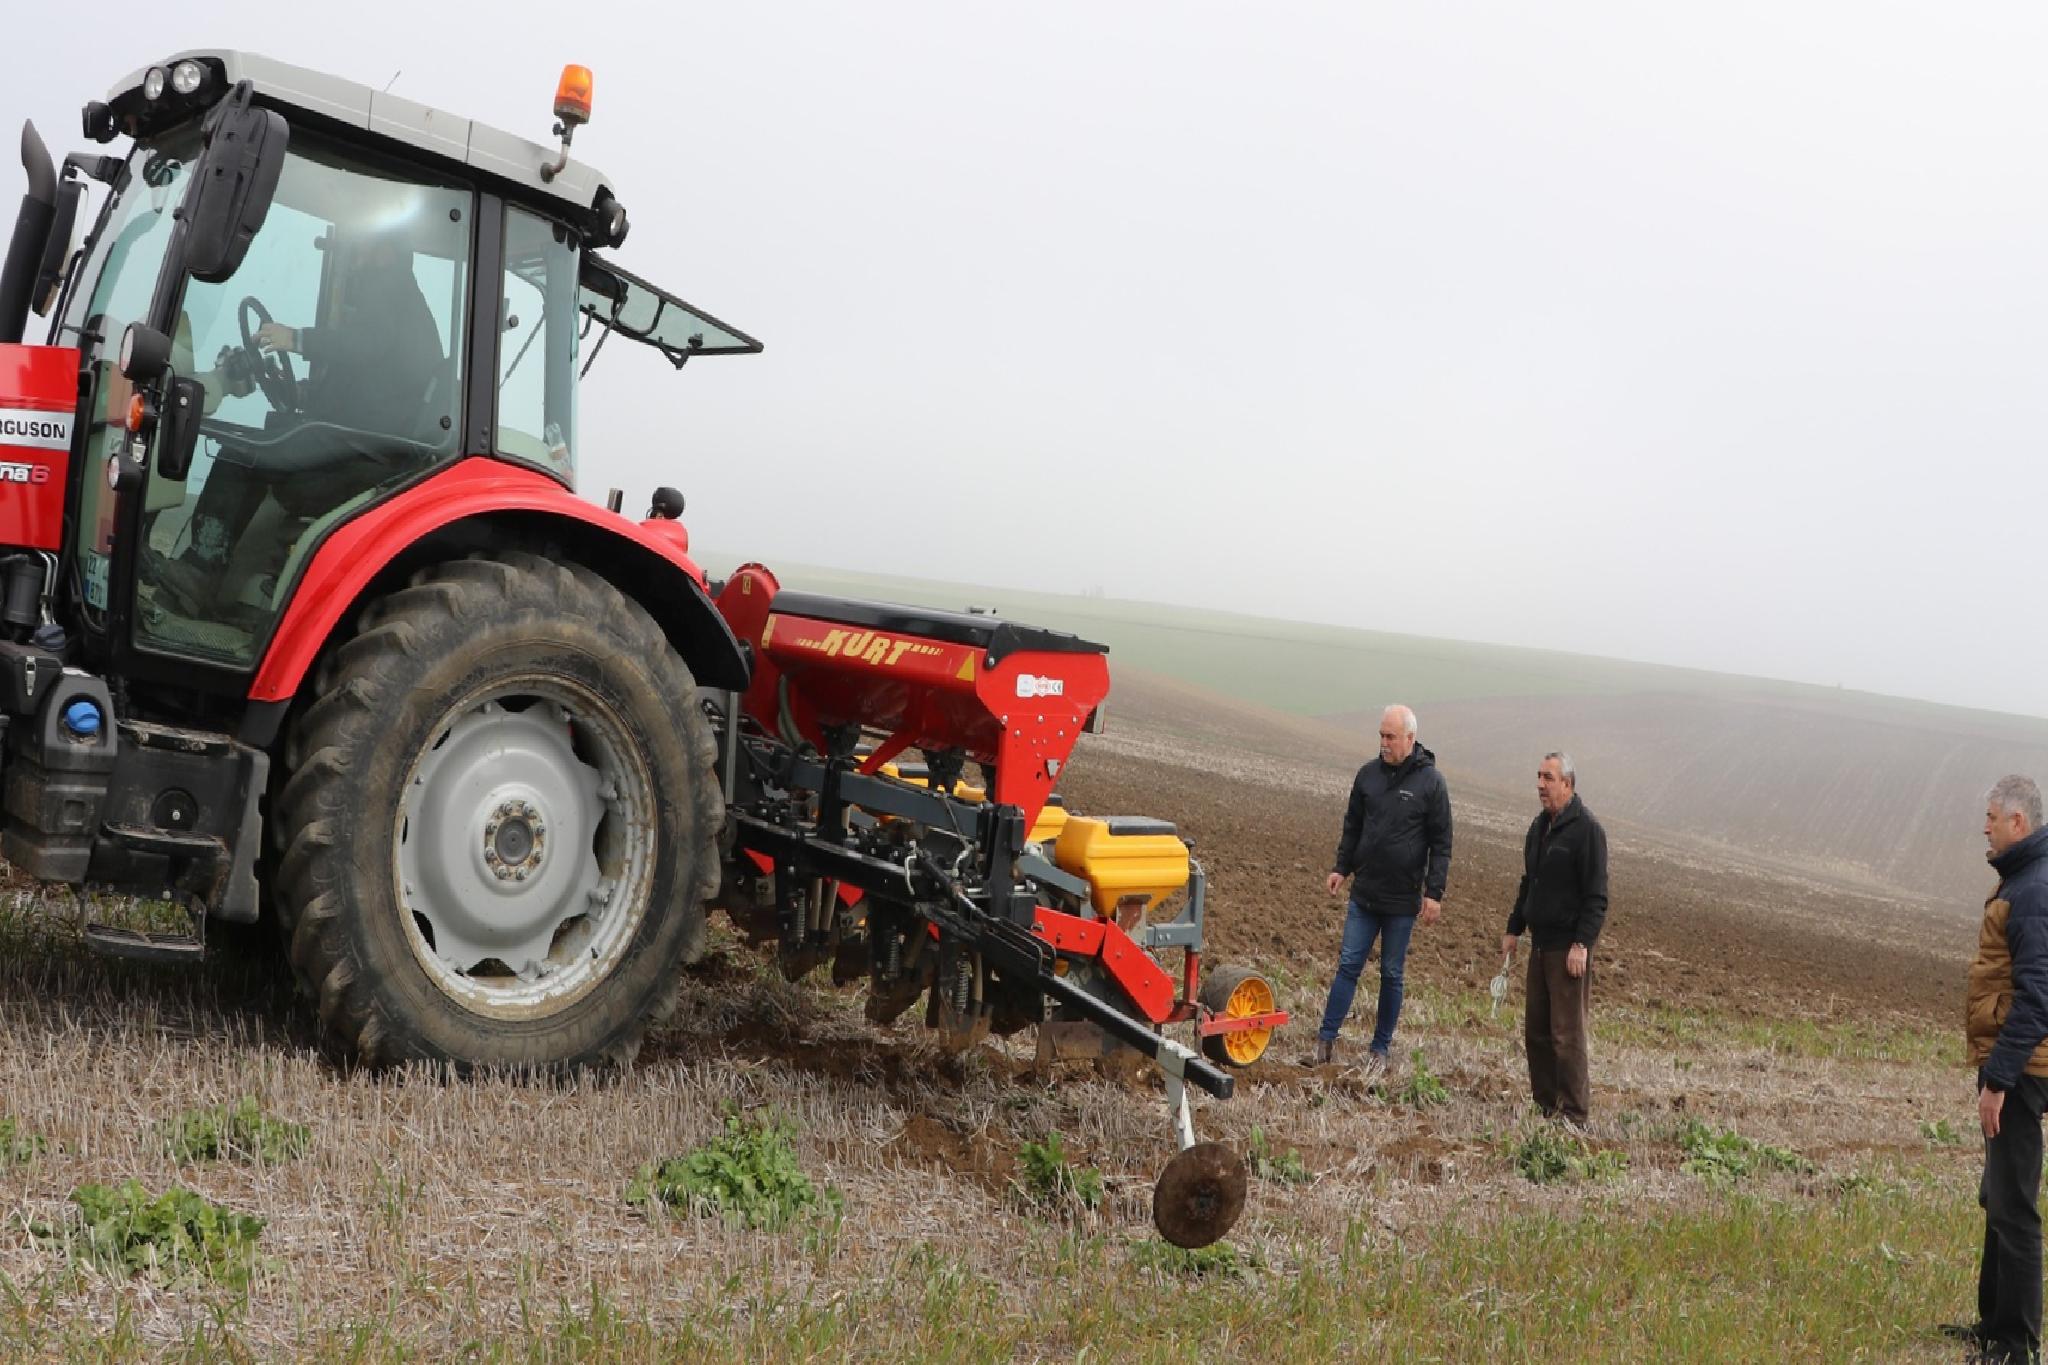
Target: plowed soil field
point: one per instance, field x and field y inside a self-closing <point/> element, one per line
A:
<point x="1690" y="925"/>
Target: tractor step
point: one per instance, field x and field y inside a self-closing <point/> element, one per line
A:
<point x="139" y="946"/>
<point x="169" y="843"/>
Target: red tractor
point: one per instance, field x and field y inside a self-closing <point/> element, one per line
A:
<point x="301" y="616"/>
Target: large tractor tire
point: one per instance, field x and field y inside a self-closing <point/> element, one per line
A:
<point x="500" y="822"/>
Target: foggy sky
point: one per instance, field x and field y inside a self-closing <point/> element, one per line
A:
<point x="1708" y="335"/>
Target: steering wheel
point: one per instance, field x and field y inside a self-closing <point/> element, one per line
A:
<point x="273" y="369"/>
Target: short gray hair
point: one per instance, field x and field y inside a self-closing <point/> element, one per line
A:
<point x="1407" y="716"/>
<point x="1564" y="766"/>
<point x="2016" y="793"/>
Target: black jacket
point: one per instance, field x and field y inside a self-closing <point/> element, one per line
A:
<point x="1563" y="897"/>
<point x="369" y="367"/>
<point x="2023" y="886"/>
<point x="1396" y="844"/>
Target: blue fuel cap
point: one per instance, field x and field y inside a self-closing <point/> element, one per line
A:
<point x="82" y="718"/>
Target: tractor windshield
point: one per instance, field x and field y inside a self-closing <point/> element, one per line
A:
<point x="332" y="367"/>
<point x="331" y="363"/>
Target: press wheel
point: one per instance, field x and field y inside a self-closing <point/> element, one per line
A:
<point x="1237" y="993"/>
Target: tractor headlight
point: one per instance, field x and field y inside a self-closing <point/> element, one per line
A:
<point x="153" y="84"/>
<point x="187" y="77"/>
<point x="145" y="353"/>
<point x="612" y="224"/>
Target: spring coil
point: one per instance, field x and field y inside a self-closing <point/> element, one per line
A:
<point x="963" y="984"/>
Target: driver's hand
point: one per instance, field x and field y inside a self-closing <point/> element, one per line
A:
<point x="235" y="380"/>
<point x="275" y="336"/>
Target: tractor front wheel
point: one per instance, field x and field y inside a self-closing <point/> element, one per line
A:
<point x="500" y="822"/>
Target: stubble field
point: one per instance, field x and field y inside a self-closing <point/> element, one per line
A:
<point x="1429" y="1216"/>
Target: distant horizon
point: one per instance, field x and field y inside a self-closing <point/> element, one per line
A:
<point x="720" y="562"/>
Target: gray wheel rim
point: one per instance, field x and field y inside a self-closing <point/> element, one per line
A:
<point x="525" y="841"/>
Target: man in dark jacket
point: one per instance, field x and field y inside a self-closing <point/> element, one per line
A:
<point x="2006" y="1022"/>
<point x="369" y="368"/>
<point x="1396" y="848"/>
<point x="1562" y="902"/>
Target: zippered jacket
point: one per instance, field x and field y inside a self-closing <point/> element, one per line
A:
<point x="1563" y="896"/>
<point x="2005" y="1012"/>
<point x="1396" y="845"/>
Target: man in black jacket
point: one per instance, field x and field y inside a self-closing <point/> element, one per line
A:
<point x="1563" y="903"/>
<point x="1396" y="848"/>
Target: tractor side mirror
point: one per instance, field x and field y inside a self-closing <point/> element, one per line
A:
<point x="230" y="197"/>
<point x="178" y="433"/>
<point x="57" y="251"/>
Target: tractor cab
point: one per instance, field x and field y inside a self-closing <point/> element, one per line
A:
<point x="293" y="573"/>
<point x="388" y="291"/>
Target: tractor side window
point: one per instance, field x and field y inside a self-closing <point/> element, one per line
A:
<point x="537" y="349"/>
<point x="332" y="365"/>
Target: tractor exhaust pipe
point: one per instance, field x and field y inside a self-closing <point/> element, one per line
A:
<point x="31" y="235"/>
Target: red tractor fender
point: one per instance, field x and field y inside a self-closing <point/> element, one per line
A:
<point x="645" y="560"/>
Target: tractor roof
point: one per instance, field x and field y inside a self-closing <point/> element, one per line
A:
<point x="379" y="113"/>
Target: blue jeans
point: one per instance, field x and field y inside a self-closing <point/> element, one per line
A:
<point x="1361" y="927"/>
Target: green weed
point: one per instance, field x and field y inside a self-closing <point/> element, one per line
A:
<point x="1550" y="1156"/>
<point x="1939" y="1133"/>
<point x="1281" y="1168"/>
<point x="1863" y="1183"/>
<point x="1220" y="1260"/>
<point x="1722" y="1156"/>
<point x="125" y="1230"/>
<point x="1050" y="1181"/>
<point x="1422" y="1088"/>
<point x="748" y="1174"/>
<point x="238" y="1132"/>
<point x="17" y="1146"/>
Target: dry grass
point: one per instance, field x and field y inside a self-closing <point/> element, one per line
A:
<point x="428" y="1217"/>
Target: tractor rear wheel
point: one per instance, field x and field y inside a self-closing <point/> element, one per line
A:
<point x="500" y="822"/>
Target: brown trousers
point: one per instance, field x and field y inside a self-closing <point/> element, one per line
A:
<point x="1555" y="1029"/>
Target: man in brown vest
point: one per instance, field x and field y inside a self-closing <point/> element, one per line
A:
<point x="2006" y="1022"/>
